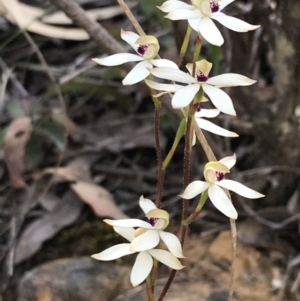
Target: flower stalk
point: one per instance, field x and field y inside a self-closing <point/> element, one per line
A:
<point x="184" y="45"/>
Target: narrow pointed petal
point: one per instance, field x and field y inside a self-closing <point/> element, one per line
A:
<point x="221" y="201"/>
<point x="127" y="233"/>
<point x="210" y="32"/>
<point x="166" y="258"/>
<point x="146" y="204"/>
<point x="137" y="74"/>
<point x="220" y="99"/>
<point x="240" y="189"/>
<point x="230" y="80"/>
<point x="118" y="59"/>
<point x="129" y="37"/>
<point x="183" y="14"/>
<point x="162" y="87"/>
<point x="224" y="3"/>
<point x="172" y="242"/>
<point x="113" y="252"/>
<point x="233" y="23"/>
<point x="207" y="113"/>
<point x="171" y="5"/>
<point x="229" y="161"/>
<point x="145" y="241"/>
<point x="141" y="268"/>
<point x="194" y="189"/>
<point x="184" y="96"/>
<point x="213" y="128"/>
<point x="128" y="223"/>
<point x="173" y="74"/>
<point x="163" y="63"/>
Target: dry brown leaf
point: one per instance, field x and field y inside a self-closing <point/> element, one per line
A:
<point x="99" y="199"/>
<point x="17" y="135"/>
<point x="70" y="173"/>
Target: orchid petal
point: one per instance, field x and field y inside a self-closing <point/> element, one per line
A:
<point x="127" y="233"/>
<point x="172" y="5"/>
<point x="138" y="73"/>
<point x="141" y="268"/>
<point x="128" y="223"/>
<point x="162" y="87"/>
<point x="233" y="23"/>
<point x="240" y="189"/>
<point x="229" y="161"/>
<point x="166" y="258"/>
<point x="207" y="113"/>
<point x="148" y="240"/>
<point x="183" y="14"/>
<point x="220" y="99"/>
<point x="210" y="32"/>
<point x="230" y="80"/>
<point x="172" y="242"/>
<point x="224" y="3"/>
<point x="184" y="96"/>
<point x="113" y="252"/>
<point x="221" y="201"/>
<point x="118" y="59"/>
<point x="146" y="204"/>
<point x="213" y="128"/>
<point x="163" y="63"/>
<point x="194" y="23"/>
<point x="129" y="37"/>
<point x="173" y="74"/>
<point x="194" y="189"/>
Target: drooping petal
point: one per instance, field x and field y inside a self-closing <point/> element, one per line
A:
<point x="145" y="241"/>
<point x="230" y="80"/>
<point x="163" y="63"/>
<point x="220" y="99"/>
<point x="213" y="128"/>
<point x="138" y="73"/>
<point x="166" y="258"/>
<point x="162" y="87"/>
<point x="173" y="74"/>
<point x="240" y="189"/>
<point x="210" y="32"/>
<point x="113" y="252"/>
<point x="193" y="189"/>
<point x="184" y="96"/>
<point x="118" y="59"/>
<point x="171" y="5"/>
<point x="221" y="201"/>
<point x="172" y="242"/>
<point x="194" y="23"/>
<point x="224" y="3"/>
<point x="207" y="113"/>
<point x="141" y="268"/>
<point x="229" y="161"/>
<point x="127" y="233"/>
<point x="233" y="23"/>
<point x="183" y="14"/>
<point x="146" y="204"/>
<point x="128" y="223"/>
<point x="129" y="37"/>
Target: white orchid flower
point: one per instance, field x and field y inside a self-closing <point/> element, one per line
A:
<point x="209" y="126"/>
<point x="200" y="15"/>
<point x="214" y="174"/>
<point x="148" y="234"/>
<point x="146" y="47"/>
<point x="144" y="261"/>
<point x="211" y="86"/>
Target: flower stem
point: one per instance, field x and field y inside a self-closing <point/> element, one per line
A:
<point x="197" y="50"/>
<point x="180" y="132"/>
<point x="201" y="203"/>
<point x="185" y="45"/>
<point x="149" y="289"/>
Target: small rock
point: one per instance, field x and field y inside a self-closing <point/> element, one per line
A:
<point x="76" y="279"/>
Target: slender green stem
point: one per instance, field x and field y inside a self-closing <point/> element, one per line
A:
<point x="185" y="45"/>
<point x="149" y="289"/>
<point x="198" y="209"/>
<point x="180" y="132"/>
<point x="197" y="50"/>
